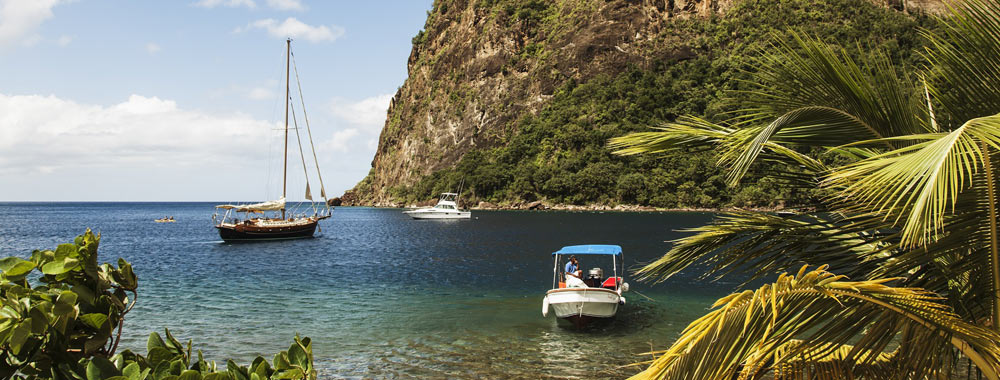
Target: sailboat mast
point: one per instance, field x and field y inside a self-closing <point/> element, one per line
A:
<point x="284" y="176"/>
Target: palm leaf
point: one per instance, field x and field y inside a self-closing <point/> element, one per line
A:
<point x="762" y="244"/>
<point x="965" y="56"/>
<point x="867" y="97"/>
<point x="829" y="312"/>
<point x="837" y="362"/>
<point x="811" y="94"/>
<point x="808" y="94"/>
<point x="918" y="184"/>
<point x="690" y="133"/>
<point x="686" y="133"/>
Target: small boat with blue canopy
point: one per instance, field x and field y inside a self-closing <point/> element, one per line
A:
<point x="584" y="296"/>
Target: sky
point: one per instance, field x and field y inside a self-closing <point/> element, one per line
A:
<point x="182" y="100"/>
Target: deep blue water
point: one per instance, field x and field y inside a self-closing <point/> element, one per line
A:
<point x="381" y="295"/>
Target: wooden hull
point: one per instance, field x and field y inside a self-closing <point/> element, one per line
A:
<point x="243" y="232"/>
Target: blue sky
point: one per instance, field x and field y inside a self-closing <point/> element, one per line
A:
<point x="182" y="100"/>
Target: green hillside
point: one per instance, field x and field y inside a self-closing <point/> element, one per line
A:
<point x="558" y="154"/>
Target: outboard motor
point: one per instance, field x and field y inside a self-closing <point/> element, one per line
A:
<point x="595" y="273"/>
<point x="594" y="277"/>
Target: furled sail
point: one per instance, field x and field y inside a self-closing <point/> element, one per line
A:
<point x="276" y="205"/>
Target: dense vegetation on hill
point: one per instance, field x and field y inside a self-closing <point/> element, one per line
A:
<point x="559" y="154"/>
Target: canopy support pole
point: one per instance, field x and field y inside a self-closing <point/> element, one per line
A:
<point x="555" y="274"/>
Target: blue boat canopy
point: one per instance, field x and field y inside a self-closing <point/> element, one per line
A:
<point x="591" y="249"/>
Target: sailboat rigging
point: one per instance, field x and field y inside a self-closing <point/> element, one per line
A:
<point x="256" y="225"/>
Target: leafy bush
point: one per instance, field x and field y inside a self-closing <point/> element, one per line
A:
<point x="68" y="325"/>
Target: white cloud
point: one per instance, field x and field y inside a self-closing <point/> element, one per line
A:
<point x="369" y="112"/>
<point x="339" y="141"/>
<point x="152" y="48"/>
<point x="365" y="119"/>
<point x="260" y="93"/>
<point x="226" y="3"/>
<point x="31" y="40"/>
<point x="293" y="28"/>
<point x="286" y="5"/>
<point x="44" y="134"/>
<point x="64" y="40"/>
<point x="20" y="18"/>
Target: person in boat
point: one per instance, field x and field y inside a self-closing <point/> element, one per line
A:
<point x="573" y="274"/>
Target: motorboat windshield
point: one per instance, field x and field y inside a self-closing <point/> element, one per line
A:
<point x="448" y="201"/>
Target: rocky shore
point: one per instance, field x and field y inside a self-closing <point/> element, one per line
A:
<point x="542" y="205"/>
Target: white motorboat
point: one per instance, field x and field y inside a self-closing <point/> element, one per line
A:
<point x="446" y="208"/>
<point x="593" y="296"/>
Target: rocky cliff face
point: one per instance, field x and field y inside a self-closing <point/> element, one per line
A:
<point x="480" y="65"/>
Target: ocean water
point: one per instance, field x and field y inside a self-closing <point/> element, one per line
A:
<point x="381" y="295"/>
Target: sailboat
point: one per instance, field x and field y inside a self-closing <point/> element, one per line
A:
<point x="256" y="224"/>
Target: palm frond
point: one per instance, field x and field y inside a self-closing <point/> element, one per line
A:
<point x="686" y="133"/>
<point x="801" y="126"/>
<point x="864" y="98"/>
<point x="964" y="53"/>
<point x="811" y="94"/>
<point x="859" y="246"/>
<point x="762" y="245"/>
<point x="689" y="133"/>
<point x="828" y="312"/>
<point x="919" y="184"/>
<point x="837" y="362"/>
<point x="961" y="261"/>
<point x="808" y="95"/>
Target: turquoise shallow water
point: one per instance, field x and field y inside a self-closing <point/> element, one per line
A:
<point x="381" y="295"/>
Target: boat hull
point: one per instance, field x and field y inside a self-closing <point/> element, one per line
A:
<point x="581" y="306"/>
<point x="419" y="214"/>
<point x="242" y="232"/>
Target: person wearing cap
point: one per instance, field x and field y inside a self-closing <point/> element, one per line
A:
<point x="573" y="274"/>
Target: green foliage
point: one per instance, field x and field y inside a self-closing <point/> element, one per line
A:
<point x="68" y="325"/>
<point x="169" y="359"/>
<point x="748" y="334"/>
<point x="72" y="314"/>
<point x="529" y="12"/>
<point x="704" y="68"/>
<point x="911" y="171"/>
<point x="418" y="40"/>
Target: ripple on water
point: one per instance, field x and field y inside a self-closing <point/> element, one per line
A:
<point x="380" y="295"/>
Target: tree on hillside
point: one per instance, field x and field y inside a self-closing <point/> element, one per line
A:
<point x="908" y="162"/>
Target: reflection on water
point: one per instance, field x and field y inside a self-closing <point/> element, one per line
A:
<point x="380" y="294"/>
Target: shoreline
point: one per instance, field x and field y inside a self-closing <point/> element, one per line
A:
<point x="540" y="206"/>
